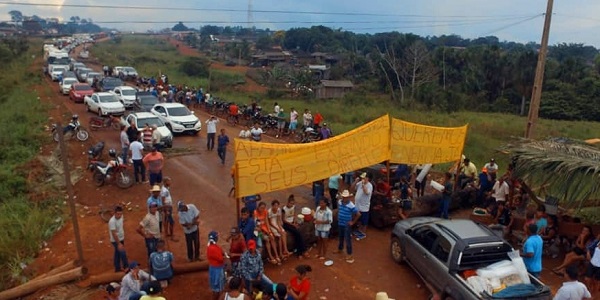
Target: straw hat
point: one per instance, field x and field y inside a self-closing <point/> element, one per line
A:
<point x="346" y="194"/>
<point x="382" y="296"/>
<point x="155" y="188"/>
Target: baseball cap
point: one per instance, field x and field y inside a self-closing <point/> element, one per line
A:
<point x="252" y="244"/>
<point x="134" y="264"/>
<point x="180" y="205"/>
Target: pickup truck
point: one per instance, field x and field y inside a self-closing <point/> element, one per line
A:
<point x="442" y="252"/>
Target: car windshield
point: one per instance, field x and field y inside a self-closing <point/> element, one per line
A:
<point x="108" y="99"/>
<point x="58" y="69"/>
<point x="82" y="87"/>
<point x="148" y="101"/>
<point x="141" y="123"/>
<point x="129" y="69"/>
<point x="128" y="92"/>
<point x="112" y="81"/>
<point x="69" y="81"/>
<point x="60" y="61"/>
<point x="179" y="111"/>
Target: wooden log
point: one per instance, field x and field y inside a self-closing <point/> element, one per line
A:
<point x="33" y="286"/>
<point x="112" y="276"/>
<point x="68" y="266"/>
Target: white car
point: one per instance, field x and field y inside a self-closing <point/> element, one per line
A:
<point x="104" y="104"/>
<point x="116" y="70"/>
<point x="141" y="119"/>
<point x="127" y="73"/>
<point x="65" y="86"/>
<point x="91" y="76"/>
<point x="177" y="117"/>
<point x="56" y="72"/>
<point x="125" y="94"/>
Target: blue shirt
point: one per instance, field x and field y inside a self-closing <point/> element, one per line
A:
<point x="534" y="245"/>
<point x="250" y="202"/>
<point x="247" y="229"/>
<point x="486" y="185"/>
<point x="447" y="194"/>
<point x="402" y="171"/>
<point x="345" y="213"/>
<point x="222" y="141"/>
<point x="161" y="265"/>
<point x="152" y="200"/>
<point x="541" y="224"/>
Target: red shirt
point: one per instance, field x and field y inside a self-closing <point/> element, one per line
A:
<point x="299" y="287"/>
<point x="385" y="188"/>
<point x="214" y="254"/>
<point x="318" y="118"/>
<point x="237" y="247"/>
<point x="233" y="109"/>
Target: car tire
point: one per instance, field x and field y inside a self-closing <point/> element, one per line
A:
<point x="87" y="107"/>
<point x="169" y="127"/>
<point x="396" y="250"/>
<point x="99" y="112"/>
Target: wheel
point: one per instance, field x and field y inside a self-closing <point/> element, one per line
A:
<point x="298" y="138"/>
<point x="88" y="108"/>
<point x="116" y="125"/>
<point x="82" y="135"/>
<point x="99" y="112"/>
<point x="195" y="132"/>
<point x="98" y="178"/>
<point x="55" y="136"/>
<point x="396" y="250"/>
<point x="124" y="179"/>
<point x="92" y="125"/>
<point x="169" y="127"/>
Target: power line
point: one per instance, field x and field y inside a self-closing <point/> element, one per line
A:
<point x="513" y="24"/>
<point x="243" y="10"/>
<point x="438" y="25"/>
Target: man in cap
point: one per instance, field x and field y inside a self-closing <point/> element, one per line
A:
<point x="156" y="199"/>
<point x="150" y="228"/>
<point x="348" y="214"/>
<point x="135" y="283"/>
<point x="325" y="131"/>
<point x="251" y="266"/>
<point x="364" y="190"/>
<point x="216" y="263"/>
<point x="154" y="162"/>
<point x="492" y="167"/>
<point x="189" y="218"/>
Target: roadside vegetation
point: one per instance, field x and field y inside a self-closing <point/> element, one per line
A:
<point x="25" y="223"/>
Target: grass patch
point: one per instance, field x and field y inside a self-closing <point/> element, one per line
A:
<point x="22" y="118"/>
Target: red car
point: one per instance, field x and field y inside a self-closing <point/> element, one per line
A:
<point x="79" y="91"/>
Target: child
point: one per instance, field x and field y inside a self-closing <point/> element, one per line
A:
<point x="323" y="220"/>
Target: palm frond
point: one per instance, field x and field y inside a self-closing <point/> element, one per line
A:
<point x="571" y="169"/>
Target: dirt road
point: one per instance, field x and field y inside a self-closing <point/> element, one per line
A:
<point x="199" y="178"/>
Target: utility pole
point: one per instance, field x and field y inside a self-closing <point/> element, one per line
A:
<point x="536" y="95"/>
<point x="64" y="157"/>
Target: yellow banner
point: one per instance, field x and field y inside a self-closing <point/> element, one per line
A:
<point x="420" y="144"/>
<point x="266" y="167"/>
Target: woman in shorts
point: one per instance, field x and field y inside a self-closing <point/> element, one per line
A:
<point x="276" y="226"/>
<point x="323" y="220"/>
<point x="579" y="253"/>
<point x="262" y="224"/>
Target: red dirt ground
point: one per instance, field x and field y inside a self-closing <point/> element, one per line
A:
<point x="200" y="179"/>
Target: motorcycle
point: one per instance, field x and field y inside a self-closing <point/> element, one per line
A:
<point x="73" y="129"/>
<point x="95" y="152"/>
<point x="114" y="170"/>
<point x="104" y="122"/>
<point x="309" y="135"/>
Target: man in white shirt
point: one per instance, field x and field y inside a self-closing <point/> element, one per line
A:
<point x="117" y="239"/>
<point x="137" y="154"/>
<point x="362" y="199"/>
<point x="307" y="118"/>
<point x="491" y="167"/>
<point x="256" y="133"/>
<point x="211" y="132"/>
<point x="500" y="190"/>
<point x="276" y="109"/>
<point x="572" y="289"/>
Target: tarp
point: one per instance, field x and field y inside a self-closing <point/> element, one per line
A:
<point x="265" y="167"/>
<point x="421" y="144"/>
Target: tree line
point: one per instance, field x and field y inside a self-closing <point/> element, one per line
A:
<point x="451" y="73"/>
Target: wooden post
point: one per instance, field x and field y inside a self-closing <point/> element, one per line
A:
<point x="36" y="285"/>
<point x="64" y="155"/>
<point x="387" y="166"/>
<point x="68" y="266"/>
<point x="536" y="95"/>
<point x="236" y="194"/>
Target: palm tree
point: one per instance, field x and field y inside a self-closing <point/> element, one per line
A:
<point x="569" y="169"/>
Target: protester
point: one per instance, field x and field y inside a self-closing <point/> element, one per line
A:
<point x="247" y="225"/>
<point x="579" y="252"/>
<point x="364" y="189"/>
<point x="276" y="226"/>
<point x="117" y="239"/>
<point x="348" y="215"/>
<point x="137" y="156"/>
<point x="572" y="289"/>
<point x="235" y="291"/>
<point x="318" y="190"/>
<point x="290" y="225"/>
<point x="420" y="185"/>
<point x="167" y="200"/>
<point x="211" y="131"/>
<point x="154" y="290"/>
<point x="325" y="132"/>
<point x="237" y="247"/>
<point x="281" y="291"/>
<point x="189" y="218"/>
<point x="293" y="120"/>
<point x="250" y="202"/>
<point x="156" y="138"/>
<point x="150" y="228"/>
<point x="135" y="283"/>
<point x="333" y="184"/>
<point x="124" y="144"/>
<point x="154" y="163"/>
<point x="299" y="287"/>
<point x="592" y="274"/>
<point x="280" y="122"/>
<point x="264" y="231"/>
<point x="216" y="265"/>
<point x="223" y="141"/>
<point x="161" y="263"/>
<point x="532" y="251"/>
<point x="323" y="220"/>
<point x="446" y="196"/>
<point x="155" y="198"/>
<point x="256" y="132"/>
<point x="251" y="266"/>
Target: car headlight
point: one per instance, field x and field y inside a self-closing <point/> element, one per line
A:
<point x="177" y="122"/>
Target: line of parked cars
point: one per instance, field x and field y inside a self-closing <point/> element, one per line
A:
<point x="110" y="96"/>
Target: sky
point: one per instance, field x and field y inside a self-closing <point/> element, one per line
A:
<point x="573" y="21"/>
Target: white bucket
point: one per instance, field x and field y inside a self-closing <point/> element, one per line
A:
<point x="423" y="172"/>
<point x="437" y="186"/>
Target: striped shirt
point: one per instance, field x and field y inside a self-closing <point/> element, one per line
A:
<point x="345" y="213"/>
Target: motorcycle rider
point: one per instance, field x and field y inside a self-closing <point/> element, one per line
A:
<point x="113" y="162"/>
